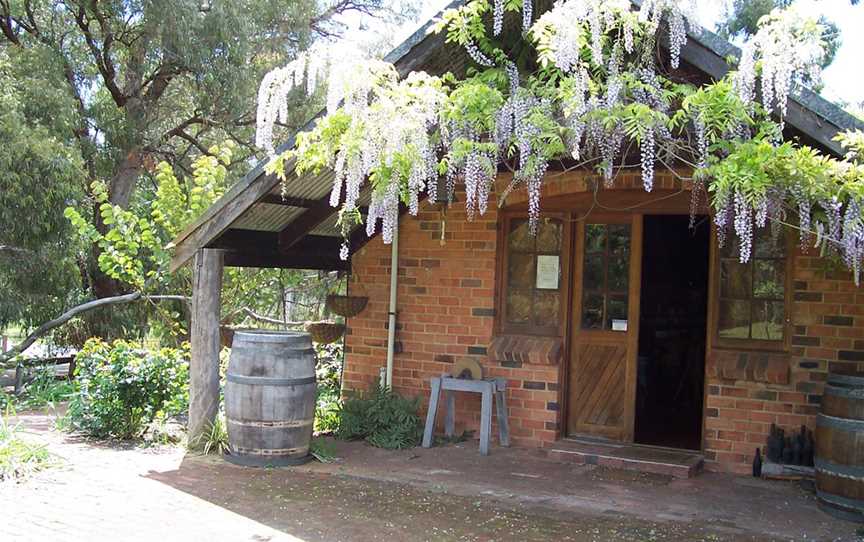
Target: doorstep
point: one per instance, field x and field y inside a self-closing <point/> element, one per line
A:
<point x="633" y="457"/>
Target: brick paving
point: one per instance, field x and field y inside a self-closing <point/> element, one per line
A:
<point x="114" y="492"/>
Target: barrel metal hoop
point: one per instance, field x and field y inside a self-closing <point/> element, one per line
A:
<point x="275" y="424"/>
<point x="845" y="380"/>
<point x="845" y="502"/>
<point x="844" y="424"/>
<point x="271" y="451"/>
<point x="269" y="381"/>
<point x="842" y="391"/>
<point x="830" y="468"/>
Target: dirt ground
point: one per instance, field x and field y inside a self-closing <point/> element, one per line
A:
<point x="121" y="492"/>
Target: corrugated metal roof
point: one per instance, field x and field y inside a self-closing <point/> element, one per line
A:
<point x="267" y="217"/>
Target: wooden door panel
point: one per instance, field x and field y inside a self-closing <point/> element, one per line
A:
<point x="601" y="375"/>
<point x="597" y="385"/>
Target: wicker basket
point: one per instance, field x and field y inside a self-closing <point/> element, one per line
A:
<point x="325" y="332"/>
<point x="346" y="305"/>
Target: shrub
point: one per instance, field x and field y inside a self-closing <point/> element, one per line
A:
<point x="328" y="370"/>
<point x="19" y="458"/>
<point x="42" y="390"/>
<point x="123" y="387"/>
<point x="384" y="419"/>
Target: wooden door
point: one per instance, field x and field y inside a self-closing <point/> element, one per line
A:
<point x="604" y="333"/>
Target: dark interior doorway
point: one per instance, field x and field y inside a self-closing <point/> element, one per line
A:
<point x="673" y="319"/>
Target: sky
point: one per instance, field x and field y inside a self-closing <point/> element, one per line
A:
<point x="843" y="79"/>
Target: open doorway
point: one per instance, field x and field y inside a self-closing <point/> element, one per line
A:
<point x="673" y="319"/>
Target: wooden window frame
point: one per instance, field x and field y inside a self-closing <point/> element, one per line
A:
<point x="607" y="257"/>
<point x="501" y="326"/>
<point x="727" y="343"/>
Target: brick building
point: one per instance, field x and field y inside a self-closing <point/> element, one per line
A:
<point x="620" y="320"/>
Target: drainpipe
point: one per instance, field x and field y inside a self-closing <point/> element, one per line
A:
<point x="391" y="323"/>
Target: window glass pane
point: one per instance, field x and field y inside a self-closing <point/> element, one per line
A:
<point x="593" y="272"/>
<point x="546" y="308"/>
<point x="734" y="319"/>
<point x="735" y="279"/>
<point x="549" y="236"/>
<point x="592" y="311"/>
<point x="619" y="238"/>
<point x="595" y="237"/>
<point x="617" y="309"/>
<point x="520" y="272"/>
<point x="619" y="271"/>
<point x="520" y="237"/>
<point x="768" y="243"/>
<point x="518" y="306"/>
<point x="769" y="279"/>
<point x="768" y="320"/>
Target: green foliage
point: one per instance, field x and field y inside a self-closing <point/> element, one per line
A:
<point x="40" y="174"/>
<point x="20" y="458"/>
<point x="43" y="390"/>
<point x="384" y="419"/>
<point x="323" y="450"/>
<point x="328" y="371"/>
<point x="123" y="387"/>
<point x="215" y="439"/>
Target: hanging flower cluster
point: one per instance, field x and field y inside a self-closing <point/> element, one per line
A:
<point x="596" y="98"/>
<point x="789" y="48"/>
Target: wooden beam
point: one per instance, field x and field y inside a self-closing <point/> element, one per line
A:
<point x="290" y="201"/>
<point x="327" y="260"/>
<point x="204" y="363"/>
<point x="305" y="223"/>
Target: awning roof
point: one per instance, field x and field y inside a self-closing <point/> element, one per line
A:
<point x="260" y="226"/>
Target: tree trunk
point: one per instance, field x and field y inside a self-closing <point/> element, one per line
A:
<point x="204" y="365"/>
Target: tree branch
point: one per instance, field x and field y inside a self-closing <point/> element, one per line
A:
<point x="75" y="311"/>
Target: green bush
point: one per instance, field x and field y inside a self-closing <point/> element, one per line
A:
<point x="384" y="419"/>
<point x="18" y="457"/>
<point x="122" y="387"/>
<point x="42" y="389"/>
<point x="328" y="370"/>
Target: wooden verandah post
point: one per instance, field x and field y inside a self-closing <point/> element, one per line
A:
<point x="207" y="270"/>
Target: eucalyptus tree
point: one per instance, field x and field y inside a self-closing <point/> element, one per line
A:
<point x="101" y="92"/>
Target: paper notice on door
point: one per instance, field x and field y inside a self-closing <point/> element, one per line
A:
<point x="547" y="272"/>
<point x="619" y="325"/>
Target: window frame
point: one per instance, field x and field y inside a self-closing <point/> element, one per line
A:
<point x="728" y="343"/>
<point x="501" y="326"/>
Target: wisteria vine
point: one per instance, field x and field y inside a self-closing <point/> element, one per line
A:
<point x="597" y="97"/>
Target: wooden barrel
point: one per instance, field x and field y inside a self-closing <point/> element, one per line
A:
<point x="270" y="398"/>
<point x="839" y="454"/>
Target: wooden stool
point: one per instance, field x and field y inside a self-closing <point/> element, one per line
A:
<point x="487" y="387"/>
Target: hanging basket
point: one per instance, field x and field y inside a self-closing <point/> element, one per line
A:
<point x="346" y="305"/>
<point x="325" y="332"/>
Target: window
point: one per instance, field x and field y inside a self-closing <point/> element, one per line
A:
<point x="605" y="276"/>
<point x="752" y="297"/>
<point x="532" y="271"/>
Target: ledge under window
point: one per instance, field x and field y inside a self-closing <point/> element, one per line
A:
<point x="516" y="350"/>
<point x="750" y="366"/>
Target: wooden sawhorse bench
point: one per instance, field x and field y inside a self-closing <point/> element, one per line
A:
<point x="488" y="388"/>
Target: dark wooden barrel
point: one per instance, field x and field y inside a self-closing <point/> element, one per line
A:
<point x="840" y="447"/>
<point x="270" y="398"/>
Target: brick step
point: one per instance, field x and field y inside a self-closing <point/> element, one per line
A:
<point x="633" y="457"/>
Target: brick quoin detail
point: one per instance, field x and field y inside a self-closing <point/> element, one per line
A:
<point x="446" y="313"/>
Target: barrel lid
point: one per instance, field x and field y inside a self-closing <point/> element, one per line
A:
<point x="272" y="336"/>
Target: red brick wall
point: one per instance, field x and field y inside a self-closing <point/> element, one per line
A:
<point x="828" y="333"/>
<point x="446" y="312"/>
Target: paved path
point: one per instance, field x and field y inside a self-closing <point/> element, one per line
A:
<point x="160" y="494"/>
